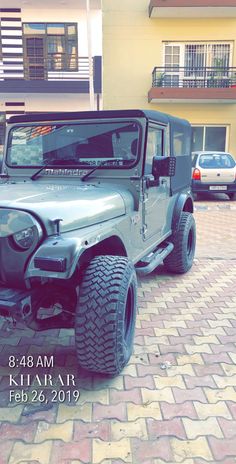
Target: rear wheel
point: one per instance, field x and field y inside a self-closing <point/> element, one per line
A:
<point x="180" y="260"/>
<point x="231" y="196"/>
<point x="106" y="313"/>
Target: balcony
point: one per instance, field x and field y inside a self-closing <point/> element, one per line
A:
<point x="52" y="75"/>
<point x="193" y="85"/>
<point x="192" y="8"/>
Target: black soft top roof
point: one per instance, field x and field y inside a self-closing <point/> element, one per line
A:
<point x="62" y="116"/>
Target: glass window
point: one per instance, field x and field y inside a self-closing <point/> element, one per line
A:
<point x="181" y="140"/>
<point x="207" y="138"/>
<point x="76" y="145"/>
<point x="155" y="143"/>
<point x="215" y="138"/>
<point x="56" y="29"/>
<point x="71" y="29"/>
<point x="56" y="43"/>
<point x="216" y="161"/>
<point x="34" y="28"/>
<point x="197" y="138"/>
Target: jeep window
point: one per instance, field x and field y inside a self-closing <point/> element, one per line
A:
<point x="181" y="140"/>
<point x="78" y="144"/>
<point x="155" y="144"/>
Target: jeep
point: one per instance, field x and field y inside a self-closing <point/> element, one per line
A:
<point x="88" y="200"/>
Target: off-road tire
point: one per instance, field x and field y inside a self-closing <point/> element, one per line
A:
<point x="180" y="260"/>
<point x="105" y="315"/>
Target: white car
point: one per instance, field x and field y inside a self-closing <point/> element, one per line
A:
<point x="215" y="172"/>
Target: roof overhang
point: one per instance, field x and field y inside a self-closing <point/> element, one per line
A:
<point x="192" y="8"/>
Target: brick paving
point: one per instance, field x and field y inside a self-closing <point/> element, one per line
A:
<point x="176" y="400"/>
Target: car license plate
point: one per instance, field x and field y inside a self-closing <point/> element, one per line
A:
<point x="218" y="187"/>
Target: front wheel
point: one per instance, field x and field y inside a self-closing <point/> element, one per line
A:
<point x="180" y="260"/>
<point x="231" y="196"/>
<point x="106" y="313"/>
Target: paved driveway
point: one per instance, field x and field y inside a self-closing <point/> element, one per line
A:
<point x="176" y="400"/>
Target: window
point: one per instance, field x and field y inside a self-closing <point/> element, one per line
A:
<point x="181" y="140"/>
<point x="216" y="161"/>
<point x="49" y="47"/>
<point x="155" y="142"/>
<point x="185" y="61"/>
<point x="76" y="145"/>
<point x="208" y="138"/>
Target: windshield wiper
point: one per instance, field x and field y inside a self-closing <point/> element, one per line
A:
<point x="102" y="163"/>
<point x="35" y="175"/>
<point x="53" y="164"/>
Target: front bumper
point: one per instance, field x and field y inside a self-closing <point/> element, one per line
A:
<point x="200" y="187"/>
<point x="15" y="304"/>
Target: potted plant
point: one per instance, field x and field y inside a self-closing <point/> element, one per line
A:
<point x="159" y="80"/>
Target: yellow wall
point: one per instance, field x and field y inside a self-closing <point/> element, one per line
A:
<point x="132" y="47"/>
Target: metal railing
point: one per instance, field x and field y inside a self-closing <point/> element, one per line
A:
<point x="54" y="67"/>
<point x="188" y="77"/>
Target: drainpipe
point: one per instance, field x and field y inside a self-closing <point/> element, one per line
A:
<point x="90" y="58"/>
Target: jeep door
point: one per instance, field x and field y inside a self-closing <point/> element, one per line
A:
<point x="156" y="198"/>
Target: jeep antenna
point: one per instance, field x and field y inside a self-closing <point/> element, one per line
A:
<point x="90" y="59"/>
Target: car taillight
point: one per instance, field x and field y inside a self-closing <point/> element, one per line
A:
<point x="196" y="174"/>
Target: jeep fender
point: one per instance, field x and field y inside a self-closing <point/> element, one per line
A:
<point x="184" y="202"/>
<point x="59" y="256"/>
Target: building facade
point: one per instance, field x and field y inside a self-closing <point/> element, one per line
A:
<point x="176" y="56"/>
<point x="44" y="63"/>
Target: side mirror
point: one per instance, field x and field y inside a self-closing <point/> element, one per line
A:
<point x="163" y="166"/>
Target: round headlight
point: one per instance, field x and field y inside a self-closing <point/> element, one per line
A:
<point x="25" y="238"/>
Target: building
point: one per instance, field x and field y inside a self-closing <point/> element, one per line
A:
<point x="177" y="56"/>
<point x="44" y="64"/>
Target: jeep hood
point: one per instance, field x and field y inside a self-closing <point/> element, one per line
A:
<point x="77" y="206"/>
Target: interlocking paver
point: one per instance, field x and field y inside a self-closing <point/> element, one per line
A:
<point x="116" y="449"/>
<point x="222" y="448"/>
<point x="144" y="450"/>
<point x="165" y="394"/>
<point x="190" y="449"/>
<point x="197" y="428"/>
<point x="84" y="430"/>
<point x="136" y="429"/>
<point x="146" y="410"/>
<point x="25" y="432"/>
<point x="219" y="409"/>
<point x="185" y="409"/>
<point x="176" y="399"/>
<point x="173" y="427"/>
<point x="65" y="452"/>
<point x="35" y="452"/>
<point x="47" y="431"/>
<point x="66" y="412"/>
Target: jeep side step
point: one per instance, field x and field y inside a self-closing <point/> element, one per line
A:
<point x="153" y="259"/>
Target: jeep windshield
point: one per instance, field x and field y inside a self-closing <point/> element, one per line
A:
<point x="93" y="144"/>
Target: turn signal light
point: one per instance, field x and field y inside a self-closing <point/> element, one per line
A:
<point x="196" y="174"/>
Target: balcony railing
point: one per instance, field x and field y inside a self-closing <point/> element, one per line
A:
<point x="52" y="75"/>
<point x="61" y="67"/>
<point x="189" y="77"/>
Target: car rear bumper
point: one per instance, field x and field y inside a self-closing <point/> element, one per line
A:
<point x="200" y="187"/>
